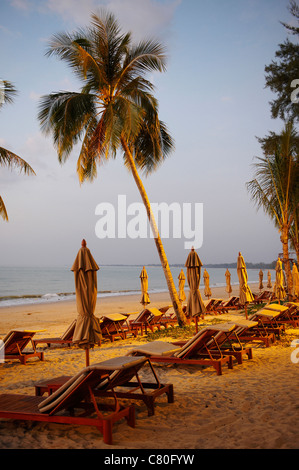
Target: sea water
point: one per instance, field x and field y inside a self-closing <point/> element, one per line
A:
<point x="27" y="285"/>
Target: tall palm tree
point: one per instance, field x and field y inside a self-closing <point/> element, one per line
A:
<point x="8" y="158"/>
<point x="275" y="186"/>
<point x="114" y="111"/>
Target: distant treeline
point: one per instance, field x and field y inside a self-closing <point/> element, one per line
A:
<point x="234" y="265"/>
<point x="248" y="265"/>
<point x="220" y="265"/>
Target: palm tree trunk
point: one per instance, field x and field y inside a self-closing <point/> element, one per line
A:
<point x="294" y="235"/>
<point x="168" y="276"/>
<point x="285" y="250"/>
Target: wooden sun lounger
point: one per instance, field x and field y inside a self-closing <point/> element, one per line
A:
<point x="230" y="304"/>
<point x="229" y="341"/>
<point x="267" y="321"/>
<point x="112" y="326"/>
<point x="211" y="305"/>
<point x="263" y="296"/>
<point x="195" y="351"/>
<point x="148" y="319"/>
<point x="121" y="387"/>
<point x="66" y="403"/>
<point x="65" y="338"/>
<point x="168" y="318"/>
<point x="288" y="313"/>
<point x="265" y="331"/>
<point x="14" y="345"/>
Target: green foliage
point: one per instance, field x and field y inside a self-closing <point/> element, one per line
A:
<point x="8" y="158"/>
<point x="282" y="71"/>
<point x="115" y="104"/>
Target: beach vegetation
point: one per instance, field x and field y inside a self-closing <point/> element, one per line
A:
<point x="8" y="158"/>
<point x="282" y="75"/>
<point x="115" y="112"/>
<point x="275" y="187"/>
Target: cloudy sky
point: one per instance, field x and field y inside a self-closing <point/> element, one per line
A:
<point x="212" y="98"/>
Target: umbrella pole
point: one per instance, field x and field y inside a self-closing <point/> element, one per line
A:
<point x="246" y="311"/>
<point x="87" y="357"/>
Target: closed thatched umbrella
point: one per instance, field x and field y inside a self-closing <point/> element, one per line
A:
<point x="206" y="279"/>
<point x="87" y="331"/>
<point x="295" y="276"/>
<point x="228" y="284"/>
<point x="279" y="290"/>
<point x="144" y="287"/>
<point x="269" y="285"/>
<point x="182" y="279"/>
<point x="261" y="277"/>
<point x="195" y="305"/>
<point x="245" y="292"/>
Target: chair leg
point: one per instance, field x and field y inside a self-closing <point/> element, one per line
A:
<point x="131" y="417"/>
<point x="107" y="431"/>
<point x="169" y="393"/>
<point x="23" y="360"/>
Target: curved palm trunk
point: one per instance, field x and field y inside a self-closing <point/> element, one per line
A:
<point x="168" y="276"/>
<point x="294" y="234"/>
<point x="285" y="250"/>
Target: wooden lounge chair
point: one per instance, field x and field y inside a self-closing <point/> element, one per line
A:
<point x="14" y="345"/>
<point x="267" y="321"/>
<point x="264" y="296"/>
<point x="230" y="343"/>
<point x="197" y="350"/>
<point x="65" y="338"/>
<point x="121" y="384"/>
<point x="265" y="331"/>
<point x="230" y="304"/>
<point x="294" y="311"/>
<point x="112" y="326"/>
<point x="288" y="313"/>
<point x="168" y="318"/>
<point x="214" y="307"/>
<point x="78" y="393"/>
<point x="148" y="319"/>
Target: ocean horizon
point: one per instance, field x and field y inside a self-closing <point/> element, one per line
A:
<point x="30" y="285"/>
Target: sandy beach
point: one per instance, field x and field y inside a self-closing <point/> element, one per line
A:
<point x="253" y="406"/>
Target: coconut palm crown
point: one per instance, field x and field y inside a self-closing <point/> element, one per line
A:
<point x="276" y="183"/>
<point x="115" y="103"/>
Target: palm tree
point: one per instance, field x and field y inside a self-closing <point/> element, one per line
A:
<point x="114" y="111"/>
<point x="8" y="158"/>
<point x="275" y="186"/>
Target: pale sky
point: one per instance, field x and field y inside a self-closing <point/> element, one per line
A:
<point x="212" y="98"/>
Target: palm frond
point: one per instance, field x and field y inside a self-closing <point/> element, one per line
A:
<point x="66" y="115"/>
<point x="275" y="187"/>
<point x="3" y="211"/>
<point x="10" y="159"/>
<point x="7" y="92"/>
<point x="262" y="199"/>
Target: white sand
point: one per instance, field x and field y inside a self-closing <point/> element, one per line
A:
<point x="253" y="406"/>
